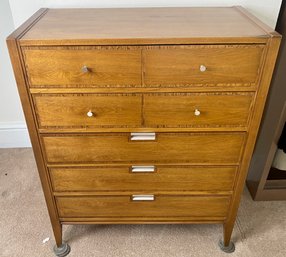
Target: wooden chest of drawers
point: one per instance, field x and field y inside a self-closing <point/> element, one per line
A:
<point x="143" y="115"/>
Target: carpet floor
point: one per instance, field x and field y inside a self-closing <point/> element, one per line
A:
<point x="260" y="229"/>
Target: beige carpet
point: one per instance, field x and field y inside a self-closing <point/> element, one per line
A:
<point x="260" y="230"/>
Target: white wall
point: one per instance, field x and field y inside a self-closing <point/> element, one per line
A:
<point x="12" y="123"/>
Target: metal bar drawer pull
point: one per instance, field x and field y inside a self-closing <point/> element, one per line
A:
<point x="143" y="136"/>
<point x="142" y="169"/>
<point x="143" y="197"/>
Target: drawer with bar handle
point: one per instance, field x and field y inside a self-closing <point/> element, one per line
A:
<point x="143" y="205"/>
<point x="143" y="178"/>
<point x="195" y="148"/>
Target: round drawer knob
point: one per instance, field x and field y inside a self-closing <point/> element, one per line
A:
<point x="89" y="113"/>
<point x="203" y="68"/>
<point x="197" y="112"/>
<point x="85" y="69"/>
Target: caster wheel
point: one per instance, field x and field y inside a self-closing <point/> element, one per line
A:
<point x="227" y="249"/>
<point x="63" y="250"/>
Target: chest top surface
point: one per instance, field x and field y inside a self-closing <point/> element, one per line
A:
<point x="145" y="26"/>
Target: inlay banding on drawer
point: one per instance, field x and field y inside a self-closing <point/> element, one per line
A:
<point x="195" y="148"/>
<point x="219" y="109"/>
<point x="162" y="206"/>
<point x="88" y="110"/>
<point x="134" y="110"/>
<point x="119" y="66"/>
<point x="182" y="65"/>
<point x="164" y="178"/>
<point x="51" y="66"/>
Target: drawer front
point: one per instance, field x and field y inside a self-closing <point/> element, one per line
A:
<point x="197" y="109"/>
<point x="143" y="178"/>
<point x="83" y="66"/>
<point x="88" y="110"/>
<point x="212" y="64"/>
<point x="166" y="147"/>
<point x="161" y="206"/>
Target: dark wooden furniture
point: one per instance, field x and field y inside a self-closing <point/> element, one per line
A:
<point x="265" y="182"/>
<point x="143" y="115"/>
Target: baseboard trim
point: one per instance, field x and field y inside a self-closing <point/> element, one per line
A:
<point x="14" y="135"/>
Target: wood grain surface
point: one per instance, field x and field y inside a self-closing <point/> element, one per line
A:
<point x="162" y="206"/>
<point x="181" y="64"/>
<point x="105" y="67"/>
<point x="55" y="111"/>
<point x="145" y="26"/>
<point x="164" y="178"/>
<point x="219" y="148"/>
<point x="70" y="110"/>
<point x="216" y="109"/>
<point x="143" y="66"/>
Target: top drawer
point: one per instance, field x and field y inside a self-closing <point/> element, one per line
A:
<point x="147" y="66"/>
<point x="202" y="64"/>
<point x="98" y="66"/>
